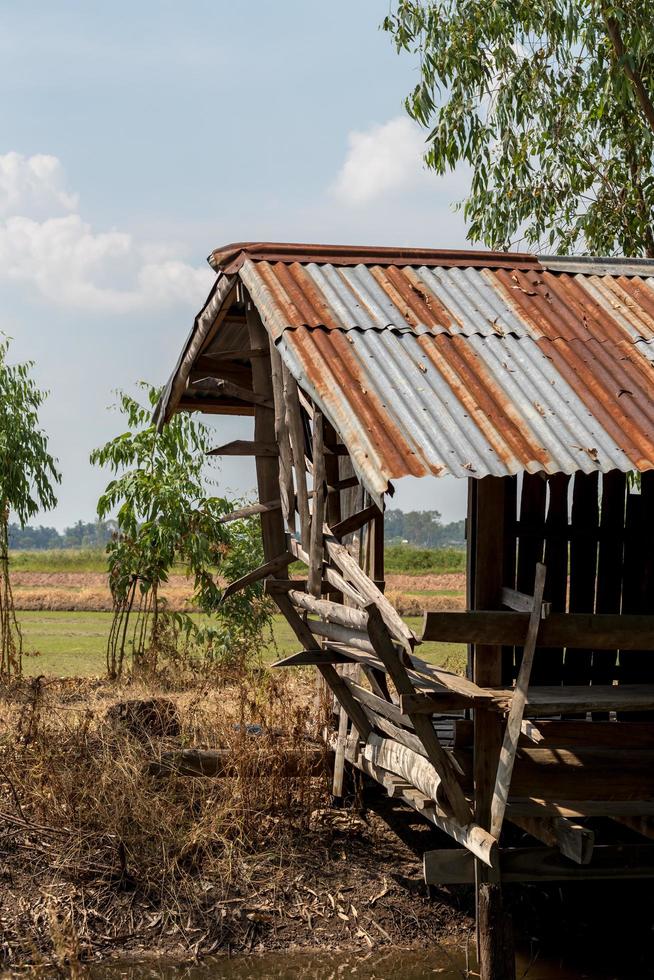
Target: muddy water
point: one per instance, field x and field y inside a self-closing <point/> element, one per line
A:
<point x="390" y="965"/>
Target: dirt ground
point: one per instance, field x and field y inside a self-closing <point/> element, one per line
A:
<point x="89" y="592"/>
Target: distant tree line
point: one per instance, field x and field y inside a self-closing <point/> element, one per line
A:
<point x="83" y="534"/>
<point x="423" y="529"/>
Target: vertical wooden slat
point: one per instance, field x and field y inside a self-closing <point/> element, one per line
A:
<point x="548" y="663"/>
<point x="316" y="549"/>
<point x="583" y="567"/>
<point x="531" y="541"/>
<point x="267" y="468"/>
<point x="286" y="488"/>
<point x="509" y="563"/>
<point x="637" y="667"/>
<point x="609" y="569"/>
<point x="297" y="434"/>
<point x="487" y="512"/>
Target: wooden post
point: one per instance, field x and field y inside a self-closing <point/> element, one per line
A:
<point x="486" y="549"/>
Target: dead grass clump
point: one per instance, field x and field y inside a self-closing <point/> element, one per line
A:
<point x="101" y="853"/>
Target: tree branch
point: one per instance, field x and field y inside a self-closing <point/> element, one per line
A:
<point x="634" y="77"/>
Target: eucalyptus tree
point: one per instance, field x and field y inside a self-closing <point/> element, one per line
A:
<point x="28" y="474"/>
<point x="167" y="519"/>
<point x="550" y="104"/>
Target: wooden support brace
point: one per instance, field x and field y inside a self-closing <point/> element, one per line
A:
<point x="514" y="722"/>
<point x="268" y="568"/>
<point x="245" y="447"/>
<point x="217" y="386"/>
<point x="572" y="839"/>
<point x="250" y="511"/>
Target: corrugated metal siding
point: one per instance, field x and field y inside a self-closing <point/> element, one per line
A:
<point x="469" y="370"/>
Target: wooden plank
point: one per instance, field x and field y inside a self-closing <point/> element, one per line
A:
<point x="516" y="713"/>
<point x="245" y="447"/>
<point x="387" y="709"/>
<point x="638" y="578"/>
<point x="297" y="439"/>
<point x="219" y="386"/>
<point x="312" y="658"/>
<point x="570" y="734"/>
<point x="583" y="571"/>
<point x="609" y="567"/>
<point x="601" y="630"/>
<point x="385" y="650"/>
<point x="411" y="766"/>
<point x="355" y="521"/>
<point x="640" y="824"/>
<point x="473" y="837"/>
<point x="548" y="662"/>
<point x="268" y="568"/>
<point x="533" y="498"/>
<point x="456" y="866"/>
<point x="541" y="701"/>
<point x="509" y="562"/>
<point x="237" y="354"/>
<point x="286" y="488"/>
<point x="250" y="511"/>
<point x="582" y="808"/>
<point x="331" y="612"/>
<point x="573" y="840"/>
<point x="316" y="548"/>
<point x="520" y="602"/>
<point x="333" y="679"/>
<point x="366" y="587"/>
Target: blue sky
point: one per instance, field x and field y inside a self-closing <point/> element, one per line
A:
<point x="137" y="137"/>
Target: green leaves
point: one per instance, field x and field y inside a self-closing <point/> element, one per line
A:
<point x="167" y="520"/>
<point x="547" y="102"/>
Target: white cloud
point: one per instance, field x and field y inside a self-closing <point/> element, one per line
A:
<point x="33" y="186"/>
<point x="74" y="266"/>
<point x="386" y="157"/>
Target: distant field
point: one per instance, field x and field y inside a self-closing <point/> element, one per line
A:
<point x="73" y="643"/>
<point x="399" y="558"/>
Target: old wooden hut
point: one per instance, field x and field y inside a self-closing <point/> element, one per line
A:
<point x="532" y="380"/>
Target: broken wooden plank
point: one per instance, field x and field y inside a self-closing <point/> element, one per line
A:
<point x="268" y="568"/>
<point x="409" y="765"/>
<point x="331" y="612"/>
<point x="286" y="486"/>
<point x="385" y="650"/>
<point x="250" y="511"/>
<point x="245" y="447"/>
<point x="318" y="515"/>
<point x="296" y="434"/>
<point x="572" y="839"/>
<point x="355" y="521"/>
<point x="219" y="386"/>
<point x="521" y="602"/>
<point x="312" y="658"/>
<point x="518" y="701"/>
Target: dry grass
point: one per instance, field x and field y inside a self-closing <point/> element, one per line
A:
<point x="96" y="853"/>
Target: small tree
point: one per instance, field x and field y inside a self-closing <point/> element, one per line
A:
<point x="165" y="517"/>
<point x="27" y="475"/>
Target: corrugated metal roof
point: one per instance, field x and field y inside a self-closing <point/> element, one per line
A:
<point x="464" y="363"/>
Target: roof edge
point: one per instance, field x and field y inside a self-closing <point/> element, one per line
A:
<point x="229" y="258"/>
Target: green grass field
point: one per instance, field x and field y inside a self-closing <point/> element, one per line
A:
<point x="71" y="644"/>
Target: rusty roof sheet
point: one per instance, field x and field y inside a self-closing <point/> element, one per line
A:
<point x="464" y="363"/>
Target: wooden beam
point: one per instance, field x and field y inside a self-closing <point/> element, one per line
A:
<point x="331" y="612"/>
<point x="246" y="447"/>
<point x="364" y="585"/>
<point x="518" y="702"/>
<point x="572" y="839"/>
<point x="385" y="650"/>
<point x="355" y="521"/>
<point x="268" y="568"/>
<point x="286" y="488"/>
<point x="312" y="658"/>
<point x="456" y="866"/>
<point x="333" y="679"/>
<point x="409" y="765"/>
<point x="219" y="386"/>
<point x="521" y="602"/>
<point x="238" y="354"/>
<point x="250" y="511"/>
<point x="473" y="837"/>
<point x="296" y="433"/>
<point x="316" y="548"/>
<point x="600" y="631"/>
